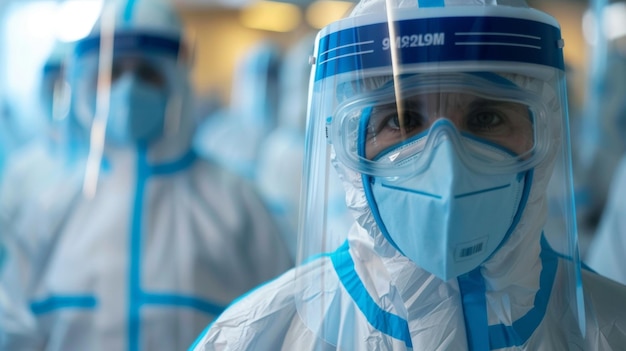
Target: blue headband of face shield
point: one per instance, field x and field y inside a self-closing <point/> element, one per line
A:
<point x="372" y="136"/>
<point x="437" y="39"/>
<point x="133" y="42"/>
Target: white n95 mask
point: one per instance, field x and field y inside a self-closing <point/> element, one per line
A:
<point x="137" y="111"/>
<point x="449" y="218"/>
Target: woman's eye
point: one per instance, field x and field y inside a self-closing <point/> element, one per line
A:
<point x="484" y="121"/>
<point x="409" y="121"/>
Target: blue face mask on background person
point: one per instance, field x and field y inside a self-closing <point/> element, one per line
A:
<point x="439" y="218"/>
<point x="137" y="111"/>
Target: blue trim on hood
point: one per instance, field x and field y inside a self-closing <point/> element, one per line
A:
<point x="367" y="179"/>
<point x="384" y="321"/>
<point x="501" y="335"/>
<point x="472" y="287"/>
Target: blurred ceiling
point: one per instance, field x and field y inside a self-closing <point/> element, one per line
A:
<point x="304" y="3"/>
<point x="239" y="3"/>
<point x="214" y="3"/>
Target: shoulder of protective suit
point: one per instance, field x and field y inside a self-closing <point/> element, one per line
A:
<point x="597" y="285"/>
<point x="605" y="307"/>
<point x="259" y="317"/>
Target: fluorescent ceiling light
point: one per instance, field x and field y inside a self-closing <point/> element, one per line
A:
<point x="321" y="13"/>
<point x="613" y="24"/>
<point x="271" y="16"/>
<point x="75" y="18"/>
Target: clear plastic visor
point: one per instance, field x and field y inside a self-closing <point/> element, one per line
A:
<point x="496" y="126"/>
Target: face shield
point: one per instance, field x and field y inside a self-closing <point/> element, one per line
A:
<point x="135" y="85"/>
<point x="444" y="125"/>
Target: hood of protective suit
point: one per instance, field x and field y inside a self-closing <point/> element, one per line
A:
<point x="152" y="31"/>
<point x="506" y="271"/>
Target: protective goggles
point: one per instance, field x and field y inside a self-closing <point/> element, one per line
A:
<point x="390" y="130"/>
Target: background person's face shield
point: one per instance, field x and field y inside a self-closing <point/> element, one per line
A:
<point x="117" y="66"/>
<point x="487" y="80"/>
<point x="138" y="92"/>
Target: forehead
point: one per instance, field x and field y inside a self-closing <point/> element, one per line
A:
<point x="448" y="101"/>
<point x="129" y="55"/>
<point x="441" y="99"/>
<point x="132" y="58"/>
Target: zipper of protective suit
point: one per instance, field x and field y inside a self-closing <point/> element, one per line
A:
<point x="137" y="296"/>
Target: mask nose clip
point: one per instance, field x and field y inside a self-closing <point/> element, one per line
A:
<point x="443" y="125"/>
<point x="441" y="130"/>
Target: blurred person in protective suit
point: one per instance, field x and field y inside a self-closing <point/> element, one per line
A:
<point x="445" y="120"/>
<point x="30" y="169"/>
<point x="142" y="243"/>
<point x="608" y="247"/>
<point x="35" y="166"/>
<point x="232" y="135"/>
<point x="604" y="140"/>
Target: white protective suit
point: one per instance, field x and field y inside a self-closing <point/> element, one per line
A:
<point x="527" y="293"/>
<point x="36" y="165"/>
<point x="146" y="258"/>
<point x="606" y="252"/>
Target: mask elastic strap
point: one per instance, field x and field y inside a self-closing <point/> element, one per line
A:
<point x="367" y="179"/>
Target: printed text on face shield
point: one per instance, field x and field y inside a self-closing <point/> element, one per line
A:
<point x="415" y="40"/>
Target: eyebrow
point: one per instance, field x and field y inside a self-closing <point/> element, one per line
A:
<point x="417" y="104"/>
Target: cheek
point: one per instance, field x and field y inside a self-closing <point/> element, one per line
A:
<point x="379" y="143"/>
<point x="372" y="148"/>
<point x="520" y="138"/>
<point x="519" y="144"/>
